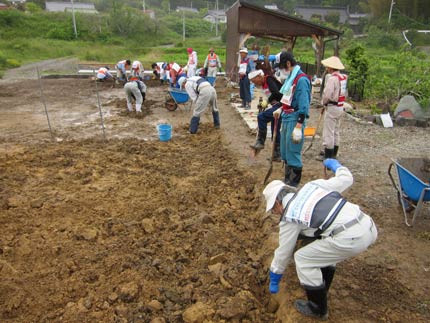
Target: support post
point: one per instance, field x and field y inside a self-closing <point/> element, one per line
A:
<point x="100" y="108"/>
<point x="42" y="97"/>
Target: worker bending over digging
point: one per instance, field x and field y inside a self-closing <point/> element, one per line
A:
<point x="202" y="93"/>
<point x="103" y="74"/>
<point x="340" y="229"/>
<point x="135" y="90"/>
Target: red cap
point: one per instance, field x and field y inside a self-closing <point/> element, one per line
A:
<point x="189" y="50"/>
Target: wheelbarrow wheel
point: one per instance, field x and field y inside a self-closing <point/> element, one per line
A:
<point x="408" y="206"/>
<point x="171" y="105"/>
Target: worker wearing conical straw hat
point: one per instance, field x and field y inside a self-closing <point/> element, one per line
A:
<point x="333" y="97"/>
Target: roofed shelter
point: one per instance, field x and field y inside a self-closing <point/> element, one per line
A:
<point x="245" y="20"/>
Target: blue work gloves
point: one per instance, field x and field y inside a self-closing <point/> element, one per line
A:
<point x="274" y="282"/>
<point x="332" y="164"/>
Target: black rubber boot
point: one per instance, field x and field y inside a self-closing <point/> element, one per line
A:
<point x="194" y="124"/>
<point x="287" y="175"/>
<point x="215" y="115"/>
<point x="328" y="153"/>
<point x="293" y="175"/>
<point x="328" y="275"/>
<point x="261" y="139"/>
<point x="316" y="305"/>
<point x="336" y="148"/>
<point x="296" y="176"/>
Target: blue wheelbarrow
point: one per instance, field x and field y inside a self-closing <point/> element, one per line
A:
<point x="176" y="97"/>
<point x="211" y="80"/>
<point x="412" y="185"/>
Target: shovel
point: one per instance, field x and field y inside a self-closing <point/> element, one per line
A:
<point x="275" y="131"/>
<point x="316" y="129"/>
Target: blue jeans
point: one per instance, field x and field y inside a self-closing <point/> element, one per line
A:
<point x="265" y="117"/>
<point x="245" y="89"/>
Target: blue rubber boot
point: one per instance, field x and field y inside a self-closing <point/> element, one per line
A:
<point x="194" y="124"/>
<point x="274" y="282"/>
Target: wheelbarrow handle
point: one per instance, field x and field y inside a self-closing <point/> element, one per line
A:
<point x="392" y="179"/>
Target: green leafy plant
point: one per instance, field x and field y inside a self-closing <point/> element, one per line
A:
<point x="358" y="72"/>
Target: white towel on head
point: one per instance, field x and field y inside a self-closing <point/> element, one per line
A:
<point x="255" y="73"/>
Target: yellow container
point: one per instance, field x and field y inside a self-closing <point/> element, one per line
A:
<point x="309" y="131"/>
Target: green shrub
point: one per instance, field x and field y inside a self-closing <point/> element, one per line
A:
<point x="11" y="63"/>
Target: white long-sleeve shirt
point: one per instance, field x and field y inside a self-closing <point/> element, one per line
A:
<point x="289" y="231"/>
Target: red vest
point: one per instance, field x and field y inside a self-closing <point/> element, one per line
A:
<point x="342" y="91"/>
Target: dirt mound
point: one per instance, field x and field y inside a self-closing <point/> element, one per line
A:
<point x="102" y="222"/>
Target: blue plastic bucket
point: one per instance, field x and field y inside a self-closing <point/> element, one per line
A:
<point x="164" y="132"/>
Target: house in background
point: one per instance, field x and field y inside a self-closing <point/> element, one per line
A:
<point x="67" y="7"/>
<point x="345" y="16"/>
<point x="187" y="9"/>
<point x="216" y="15"/>
<point x="150" y="13"/>
<point x="309" y="12"/>
<point x="4" y="6"/>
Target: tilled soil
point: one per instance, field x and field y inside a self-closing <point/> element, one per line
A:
<point x="112" y="225"/>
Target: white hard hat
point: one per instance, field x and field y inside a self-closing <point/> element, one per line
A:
<point x="333" y="62"/>
<point x="181" y="81"/>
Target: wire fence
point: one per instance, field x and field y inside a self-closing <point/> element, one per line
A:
<point x="35" y="103"/>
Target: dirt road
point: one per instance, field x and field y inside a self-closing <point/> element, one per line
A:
<point x="117" y="226"/>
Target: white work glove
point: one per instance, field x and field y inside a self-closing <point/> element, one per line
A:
<point x="277" y="113"/>
<point x="297" y="134"/>
<point x="264" y="104"/>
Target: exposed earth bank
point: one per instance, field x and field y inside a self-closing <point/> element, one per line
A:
<point x="116" y="226"/>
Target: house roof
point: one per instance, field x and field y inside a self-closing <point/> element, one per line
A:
<point x="55" y="6"/>
<point x="179" y="8"/>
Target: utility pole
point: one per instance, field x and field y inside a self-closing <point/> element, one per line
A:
<point x="183" y="26"/>
<point x="391" y="10"/>
<point x="143" y="6"/>
<point x="74" y="20"/>
<point x="216" y="18"/>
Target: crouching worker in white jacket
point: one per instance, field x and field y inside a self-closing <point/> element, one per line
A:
<point x="340" y="229"/>
<point x="135" y="91"/>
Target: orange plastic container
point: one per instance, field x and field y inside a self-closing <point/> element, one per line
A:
<point x="309" y="131"/>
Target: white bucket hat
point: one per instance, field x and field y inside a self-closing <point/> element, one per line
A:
<point x="255" y="73"/>
<point x="333" y="62"/>
<point x="181" y="81"/>
<point x="243" y="50"/>
<point x="271" y="191"/>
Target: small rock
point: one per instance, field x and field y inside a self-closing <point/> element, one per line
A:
<point x="216" y="259"/>
<point x="216" y="268"/>
<point x="148" y="225"/>
<point x="112" y="298"/>
<point x="36" y="204"/>
<point x="128" y="292"/>
<point x="158" y="320"/>
<point x="197" y="313"/>
<point x="154" y="305"/>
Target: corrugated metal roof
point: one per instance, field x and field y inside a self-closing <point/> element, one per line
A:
<point x="245" y="19"/>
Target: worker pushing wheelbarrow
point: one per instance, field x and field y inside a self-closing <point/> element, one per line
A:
<point x="412" y="185"/>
